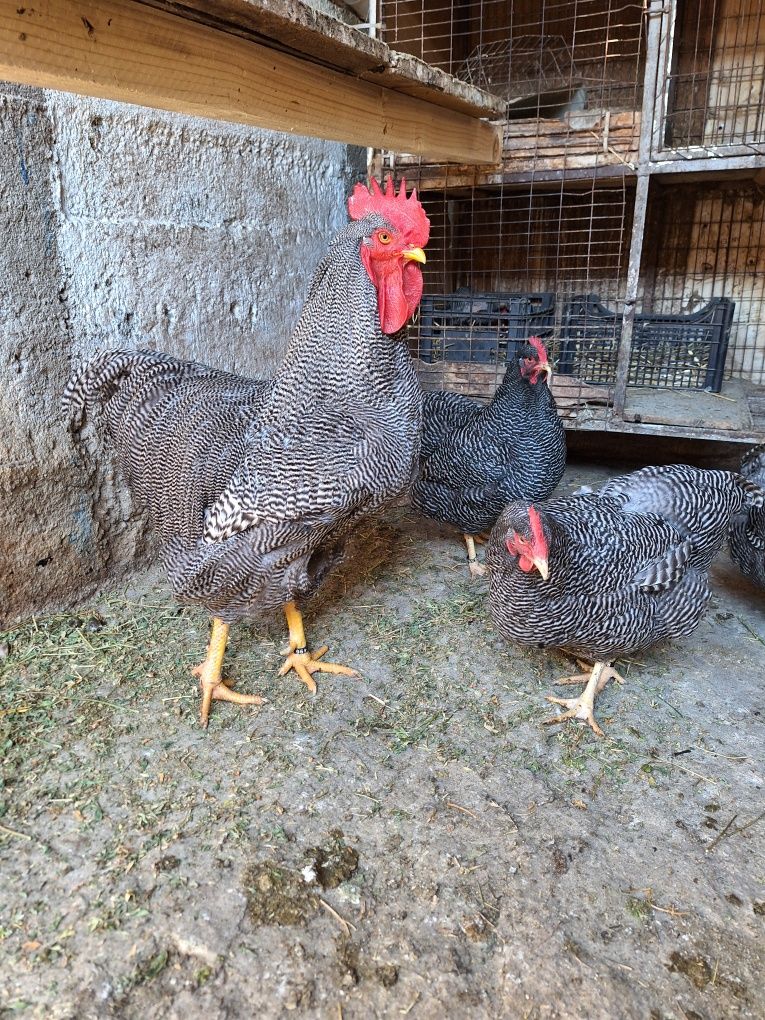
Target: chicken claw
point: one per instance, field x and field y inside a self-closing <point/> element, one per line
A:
<point x="214" y="687"/>
<point x="476" y="569"/>
<point x="583" y="706"/>
<point x="300" y="659"/>
<point x="305" y="663"/>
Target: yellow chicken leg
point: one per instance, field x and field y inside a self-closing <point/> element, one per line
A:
<point x="476" y="569"/>
<point x="300" y="659"/>
<point x="583" y="706"/>
<point x="214" y="687"/>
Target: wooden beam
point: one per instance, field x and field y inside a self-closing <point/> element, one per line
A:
<point x="295" y="27"/>
<point x="127" y="51"/>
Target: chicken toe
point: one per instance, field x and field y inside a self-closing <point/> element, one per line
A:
<point x="214" y="687"/>
<point x="476" y="569"/>
<point x="583" y="707"/>
<point x="307" y="663"/>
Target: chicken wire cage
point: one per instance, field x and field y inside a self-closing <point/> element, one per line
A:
<point x="644" y="283"/>
<point x="535" y="74"/>
<point x="713" y="79"/>
<point x="502" y="267"/>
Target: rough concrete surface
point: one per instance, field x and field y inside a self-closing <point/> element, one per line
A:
<point x="128" y="227"/>
<point x="411" y="844"/>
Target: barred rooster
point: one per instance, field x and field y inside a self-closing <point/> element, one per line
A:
<point x="747" y="534"/>
<point x="475" y="457"/>
<point x="605" y="574"/>
<point x="251" y="486"/>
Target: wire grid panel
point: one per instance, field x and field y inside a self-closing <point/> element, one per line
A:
<point x="705" y="242"/>
<point x="540" y="245"/>
<point x="590" y="52"/>
<point x="714" y="78"/>
<point x="503" y="266"/>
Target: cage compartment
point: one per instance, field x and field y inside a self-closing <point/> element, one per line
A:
<point x="481" y="327"/>
<point x="715" y="77"/>
<point x="668" y="351"/>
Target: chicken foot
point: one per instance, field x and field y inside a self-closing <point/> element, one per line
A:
<point x="476" y="569"/>
<point x="214" y="687"/>
<point x="300" y="659"/>
<point x="583" y="706"/>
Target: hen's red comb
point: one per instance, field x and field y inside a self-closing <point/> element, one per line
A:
<point x="540" y="348"/>
<point x="538" y="540"/>
<point x="400" y="211"/>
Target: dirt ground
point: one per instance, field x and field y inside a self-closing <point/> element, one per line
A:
<point x="412" y="844"/>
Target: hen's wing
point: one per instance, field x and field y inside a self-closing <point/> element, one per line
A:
<point x="698" y="502"/>
<point x="442" y="413"/>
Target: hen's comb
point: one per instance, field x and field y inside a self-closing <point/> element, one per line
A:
<point x="397" y="208"/>
<point x="540" y="348"/>
<point x="538" y="540"/>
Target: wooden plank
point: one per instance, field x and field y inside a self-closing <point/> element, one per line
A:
<point x="724" y="411"/>
<point x="593" y="147"/>
<point x="137" y="54"/>
<point x="481" y="380"/>
<point x="293" y="26"/>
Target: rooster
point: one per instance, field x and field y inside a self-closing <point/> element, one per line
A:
<point x="252" y="486"/>
<point x="747" y="533"/>
<point x="475" y="457"/>
<point x="605" y="574"/>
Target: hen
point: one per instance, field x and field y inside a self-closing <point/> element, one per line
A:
<point x="747" y="534"/>
<point x="476" y="457"/>
<point x="605" y="574"/>
<point x="251" y="486"/>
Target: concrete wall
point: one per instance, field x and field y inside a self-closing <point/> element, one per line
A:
<point x="127" y="227"/>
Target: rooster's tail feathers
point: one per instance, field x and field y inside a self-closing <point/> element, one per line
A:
<point x="101" y="377"/>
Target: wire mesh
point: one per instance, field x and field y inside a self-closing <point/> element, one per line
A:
<point x="714" y="78"/>
<point x="541" y="244"/>
<point x="706" y="241"/>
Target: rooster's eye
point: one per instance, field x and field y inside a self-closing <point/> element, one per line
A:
<point x="384" y="237"/>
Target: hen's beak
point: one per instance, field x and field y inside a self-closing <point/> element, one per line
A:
<point x="542" y="567"/>
<point x="546" y="370"/>
<point x="414" y="255"/>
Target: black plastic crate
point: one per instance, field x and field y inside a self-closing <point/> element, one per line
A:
<point x="481" y="327"/>
<point x="668" y="351"/>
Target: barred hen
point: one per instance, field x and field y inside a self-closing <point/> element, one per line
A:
<point x="747" y="534"/>
<point x="604" y="574"/>
<point x="252" y="486"/>
<point x="475" y="457"/>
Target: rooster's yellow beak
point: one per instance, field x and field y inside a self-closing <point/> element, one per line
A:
<point x="414" y="255"/>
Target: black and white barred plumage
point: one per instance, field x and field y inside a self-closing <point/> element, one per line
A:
<point x="747" y="534"/>
<point x="475" y="457"/>
<point x="628" y="564"/>
<point x="252" y="486"/>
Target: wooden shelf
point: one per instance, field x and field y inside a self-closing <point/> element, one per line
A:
<point x="282" y="66"/>
<point x="585" y="146"/>
<point x="737" y="414"/>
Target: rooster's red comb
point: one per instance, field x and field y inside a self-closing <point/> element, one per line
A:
<point x="400" y="211"/>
